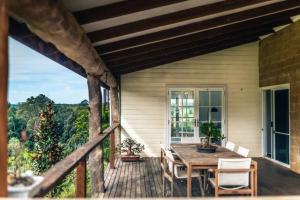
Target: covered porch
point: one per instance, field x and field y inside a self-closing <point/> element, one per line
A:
<point x="222" y="58"/>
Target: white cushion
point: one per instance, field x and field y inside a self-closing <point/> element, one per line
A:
<point x="234" y="179"/>
<point x="243" y="151"/>
<point x="180" y="171"/>
<point x="230" y="146"/>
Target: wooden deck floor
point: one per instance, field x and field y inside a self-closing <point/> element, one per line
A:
<point x="143" y="179"/>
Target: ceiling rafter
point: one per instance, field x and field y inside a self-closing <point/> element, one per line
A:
<point x="289" y="8"/>
<point x="135" y="53"/>
<point x="185" y="55"/>
<point x="162" y="54"/>
<point x="119" y="9"/>
<point x="171" y="18"/>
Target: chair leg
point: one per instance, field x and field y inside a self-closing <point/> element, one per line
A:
<point x="164" y="186"/>
<point x="172" y="188"/>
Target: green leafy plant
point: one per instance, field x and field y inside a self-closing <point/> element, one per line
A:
<point x="210" y="131"/>
<point x="47" y="148"/>
<point x="130" y="147"/>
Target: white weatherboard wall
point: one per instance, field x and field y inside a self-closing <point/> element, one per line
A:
<point x="144" y="96"/>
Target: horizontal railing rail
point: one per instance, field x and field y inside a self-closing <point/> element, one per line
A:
<point x="60" y="170"/>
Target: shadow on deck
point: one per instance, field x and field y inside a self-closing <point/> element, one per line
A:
<point x="143" y="179"/>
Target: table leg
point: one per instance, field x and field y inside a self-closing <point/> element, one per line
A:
<point x="189" y="180"/>
<point x="201" y="181"/>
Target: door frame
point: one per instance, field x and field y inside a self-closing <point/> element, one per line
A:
<point x="274" y="88"/>
<point x="193" y="87"/>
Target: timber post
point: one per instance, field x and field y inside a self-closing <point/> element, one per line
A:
<point x="81" y="179"/>
<point x="3" y="96"/>
<point x="115" y="118"/>
<point x="96" y="161"/>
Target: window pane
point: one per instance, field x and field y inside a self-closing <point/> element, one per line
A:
<point x="188" y="98"/>
<point x="216" y="98"/>
<point x="204" y="113"/>
<point x="188" y="112"/>
<point x="282" y="111"/>
<point x="216" y="113"/>
<point x="176" y="98"/>
<point x="203" y="98"/>
<point x="282" y="148"/>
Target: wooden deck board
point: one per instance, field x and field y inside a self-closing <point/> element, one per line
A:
<point x="143" y="179"/>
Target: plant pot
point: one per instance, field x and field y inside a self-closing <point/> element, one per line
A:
<point x="206" y="149"/>
<point x="130" y="158"/>
<point x="21" y="191"/>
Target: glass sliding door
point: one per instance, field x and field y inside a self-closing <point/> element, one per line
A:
<point x="282" y="125"/>
<point x="191" y="107"/>
<point x="182" y="121"/>
<point x="276" y="125"/>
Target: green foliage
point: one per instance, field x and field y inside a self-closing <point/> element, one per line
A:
<point x="130" y="146"/>
<point x="211" y="131"/>
<point x="19" y="159"/>
<point x="47" y="148"/>
<point x="49" y="125"/>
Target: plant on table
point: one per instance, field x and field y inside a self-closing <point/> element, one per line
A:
<point x="210" y="130"/>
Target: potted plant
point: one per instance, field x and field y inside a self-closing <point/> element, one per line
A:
<point x="211" y="132"/>
<point x="21" y="181"/>
<point x="131" y="148"/>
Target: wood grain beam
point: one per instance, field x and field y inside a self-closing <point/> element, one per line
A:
<point x="53" y="23"/>
<point x="3" y="97"/>
<point x="194" y="46"/>
<point x="96" y="161"/>
<point x="119" y="9"/>
<point x="122" y="57"/>
<point x="170" y="18"/>
<point x="138" y="60"/>
<point x="286" y="8"/>
<point x="189" y="53"/>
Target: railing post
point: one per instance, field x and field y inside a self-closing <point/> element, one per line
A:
<point x="115" y="118"/>
<point x="3" y="96"/>
<point x="112" y="146"/>
<point x="81" y="179"/>
<point x="96" y="161"/>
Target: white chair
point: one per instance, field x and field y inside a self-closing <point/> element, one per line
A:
<point x="174" y="169"/>
<point x="230" y="146"/>
<point x="243" y="151"/>
<point x="232" y="177"/>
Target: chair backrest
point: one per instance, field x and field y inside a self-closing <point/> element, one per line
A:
<point x="243" y="151"/>
<point x="230" y="146"/>
<point x="234" y="179"/>
<point x="169" y="159"/>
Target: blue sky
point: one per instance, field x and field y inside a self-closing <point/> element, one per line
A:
<point x="31" y="74"/>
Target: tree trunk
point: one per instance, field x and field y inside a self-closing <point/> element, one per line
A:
<point x="96" y="157"/>
<point x="3" y="96"/>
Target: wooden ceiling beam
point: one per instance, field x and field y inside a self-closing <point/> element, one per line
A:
<point x="185" y="55"/>
<point x="53" y="23"/>
<point x="121" y="57"/>
<point x="171" y="18"/>
<point x="157" y="55"/>
<point x="287" y="8"/>
<point x="119" y="9"/>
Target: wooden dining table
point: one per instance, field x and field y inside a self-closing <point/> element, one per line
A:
<point x="194" y="159"/>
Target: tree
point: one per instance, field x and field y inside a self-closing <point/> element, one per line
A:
<point x="47" y="148"/>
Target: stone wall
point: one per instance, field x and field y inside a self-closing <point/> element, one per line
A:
<point x="279" y="63"/>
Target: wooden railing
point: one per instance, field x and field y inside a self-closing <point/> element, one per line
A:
<point x="76" y="159"/>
